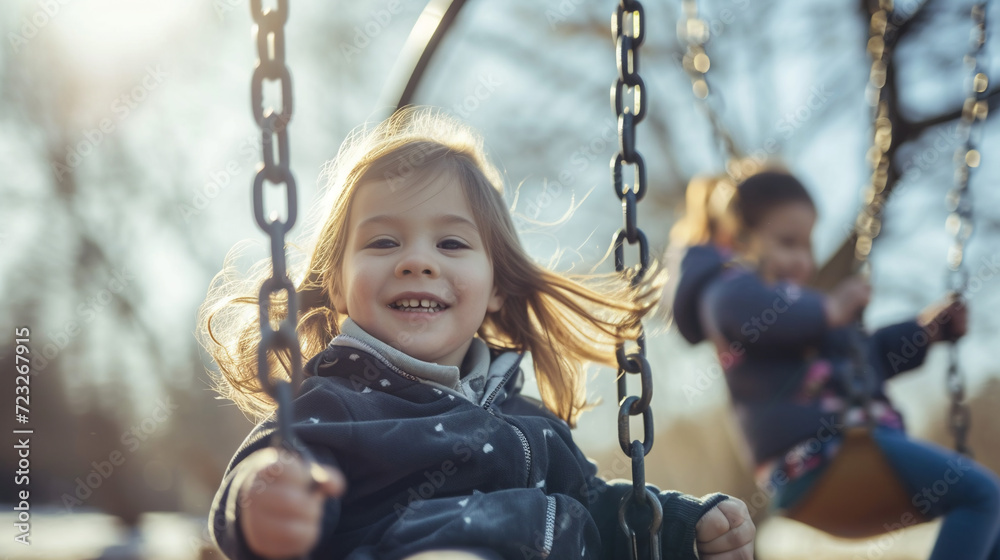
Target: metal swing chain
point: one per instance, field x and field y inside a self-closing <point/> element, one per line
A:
<point x="273" y="125"/>
<point x="695" y="33"/>
<point x="628" y="29"/>
<point x="959" y="222"/>
<point x="869" y="222"/>
<point x="860" y="381"/>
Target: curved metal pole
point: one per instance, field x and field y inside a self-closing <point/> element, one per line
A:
<point x="432" y="25"/>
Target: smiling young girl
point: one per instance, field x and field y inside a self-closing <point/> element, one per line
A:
<point x="418" y="305"/>
<point x="786" y="353"/>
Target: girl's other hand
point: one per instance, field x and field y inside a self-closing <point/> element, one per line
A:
<point x="846" y="302"/>
<point x="726" y="532"/>
<point x="947" y="319"/>
<point x="281" y="502"/>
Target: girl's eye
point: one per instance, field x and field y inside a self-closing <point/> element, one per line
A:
<point x="383" y="243"/>
<point x="452" y="244"/>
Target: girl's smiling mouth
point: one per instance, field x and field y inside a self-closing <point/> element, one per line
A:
<point x="418" y="306"/>
<point x="418" y="302"/>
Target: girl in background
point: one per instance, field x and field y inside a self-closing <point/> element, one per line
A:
<point x="786" y="352"/>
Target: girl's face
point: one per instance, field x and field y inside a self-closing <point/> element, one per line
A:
<point x="782" y="244"/>
<point x="415" y="273"/>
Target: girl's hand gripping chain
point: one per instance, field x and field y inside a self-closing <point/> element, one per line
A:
<point x="281" y="502"/>
<point x="947" y="319"/>
<point x="726" y="532"/>
<point x="846" y="302"/>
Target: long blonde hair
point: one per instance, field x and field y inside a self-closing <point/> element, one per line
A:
<point x="564" y="320"/>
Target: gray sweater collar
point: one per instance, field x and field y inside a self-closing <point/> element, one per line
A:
<point x="475" y="380"/>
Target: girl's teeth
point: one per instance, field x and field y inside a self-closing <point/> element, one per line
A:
<point x="418" y="305"/>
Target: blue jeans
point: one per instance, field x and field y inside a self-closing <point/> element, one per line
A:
<point x="942" y="482"/>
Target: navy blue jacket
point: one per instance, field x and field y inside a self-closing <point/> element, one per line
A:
<point x="428" y="469"/>
<point x="772" y="340"/>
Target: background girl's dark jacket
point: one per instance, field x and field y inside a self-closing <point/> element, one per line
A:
<point x="428" y="469"/>
<point x="784" y="366"/>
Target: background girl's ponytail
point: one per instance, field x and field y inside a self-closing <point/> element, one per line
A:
<point x="707" y="212"/>
<point x="719" y="211"/>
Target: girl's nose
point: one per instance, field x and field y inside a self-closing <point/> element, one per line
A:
<point x="417" y="262"/>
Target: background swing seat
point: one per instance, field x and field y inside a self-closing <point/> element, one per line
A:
<point x="859" y="495"/>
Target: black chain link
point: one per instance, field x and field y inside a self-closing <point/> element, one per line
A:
<point x="284" y="339"/>
<point x="960" y="222"/>
<point x="628" y="29"/>
<point x="858" y="380"/>
<point x="640" y="547"/>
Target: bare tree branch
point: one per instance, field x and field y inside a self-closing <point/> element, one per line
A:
<point x="915" y="129"/>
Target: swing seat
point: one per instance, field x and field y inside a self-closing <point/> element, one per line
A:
<point x="859" y="495"/>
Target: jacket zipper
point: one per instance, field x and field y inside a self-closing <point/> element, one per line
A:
<point x="378" y="356"/>
<point x="506" y="378"/>
<point x="520" y="435"/>
<point x="550" y="525"/>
